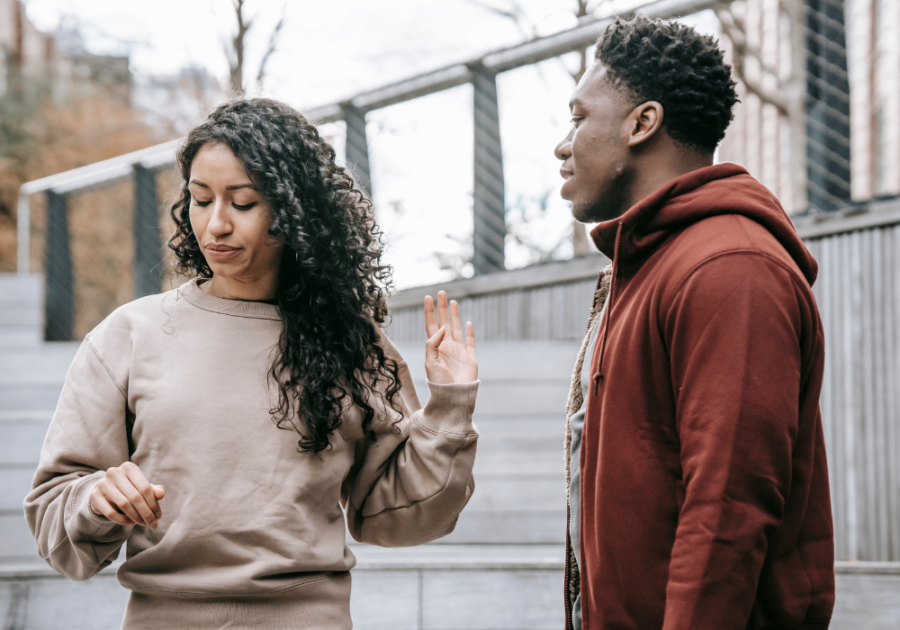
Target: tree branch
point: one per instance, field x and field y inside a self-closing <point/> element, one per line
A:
<point x="732" y="29"/>
<point x="516" y="14"/>
<point x="273" y="44"/>
<point x="237" y="62"/>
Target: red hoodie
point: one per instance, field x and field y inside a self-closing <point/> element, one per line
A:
<point x="705" y="501"/>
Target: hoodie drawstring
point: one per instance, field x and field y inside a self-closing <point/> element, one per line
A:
<point x="609" y="306"/>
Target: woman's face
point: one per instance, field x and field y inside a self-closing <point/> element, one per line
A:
<point x="230" y="218"/>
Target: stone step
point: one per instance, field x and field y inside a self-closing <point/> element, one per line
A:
<point x="20" y="314"/>
<point x="493" y="492"/>
<point x="21" y="439"/>
<point x="29" y="396"/>
<point x="500" y="586"/>
<point x="16" y="540"/>
<point x="20" y="336"/>
<point x="21" y="288"/>
<point x="511" y="360"/>
<point x="46" y="363"/>
<point x="479" y="587"/>
<point x="21" y="310"/>
<point x="531" y="448"/>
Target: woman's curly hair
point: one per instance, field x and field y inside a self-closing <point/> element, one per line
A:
<point x="672" y="64"/>
<point x="332" y="285"/>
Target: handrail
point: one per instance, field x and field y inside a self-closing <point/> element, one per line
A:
<point x="163" y="155"/>
<point x="875" y="213"/>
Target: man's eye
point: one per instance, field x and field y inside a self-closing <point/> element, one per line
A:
<point x="577" y="119"/>
<point x="247" y="207"/>
<point x="201" y="203"/>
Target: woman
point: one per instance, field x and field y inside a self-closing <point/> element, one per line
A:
<point x="219" y="428"/>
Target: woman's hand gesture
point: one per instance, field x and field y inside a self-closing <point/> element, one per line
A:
<point x="448" y="357"/>
<point x="124" y="496"/>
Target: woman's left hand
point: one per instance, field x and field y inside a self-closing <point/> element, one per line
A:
<point x="449" y="358"/>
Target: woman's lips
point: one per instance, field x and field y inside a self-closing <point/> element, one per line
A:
<point x="222" y="252"/>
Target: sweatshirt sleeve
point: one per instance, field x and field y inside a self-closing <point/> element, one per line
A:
<point x="410" y="484"/>
<point x="734" y="335"/>
<point x="87" y="435"/>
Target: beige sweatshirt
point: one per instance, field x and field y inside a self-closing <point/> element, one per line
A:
<point x="252" y="532"/>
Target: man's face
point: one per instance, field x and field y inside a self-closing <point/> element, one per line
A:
<point x="595" y="153"/>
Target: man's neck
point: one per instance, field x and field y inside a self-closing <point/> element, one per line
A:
<point x="658" y="170"/>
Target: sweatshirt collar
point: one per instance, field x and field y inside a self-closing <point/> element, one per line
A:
<point x="192" y="292"/>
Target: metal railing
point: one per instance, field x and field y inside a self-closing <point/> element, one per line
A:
<point x="823" y="114"/>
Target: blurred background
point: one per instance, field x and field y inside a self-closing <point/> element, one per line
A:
<point x="447" y="112"/>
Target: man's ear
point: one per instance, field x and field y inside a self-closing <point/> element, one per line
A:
<point x="645" y="121"/>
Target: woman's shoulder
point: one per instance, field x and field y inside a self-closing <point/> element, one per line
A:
<point x="139" y="314"/>
<point x="390" y="350"/>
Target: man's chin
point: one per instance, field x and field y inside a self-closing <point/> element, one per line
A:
<point x="581" y="213"/>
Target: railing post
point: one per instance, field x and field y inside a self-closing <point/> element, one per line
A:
<point x="489" y="207"/>
<point x="147" y="246"/>
<point x="357" y="146"/>
<point x="58" y="267"/>
<point x="827" y="105"/>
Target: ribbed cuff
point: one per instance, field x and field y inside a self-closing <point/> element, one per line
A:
<point x="450" y="408"/>
<point x="81" y="521"/>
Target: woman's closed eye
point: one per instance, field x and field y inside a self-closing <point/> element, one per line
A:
<point x="237" y="206"/>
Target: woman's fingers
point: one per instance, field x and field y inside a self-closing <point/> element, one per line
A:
<point x="470" y="338"/>
<point x="128" y="490"/>
<point x="430" y="322"/>
<point x="455" y="323"/>
<point x="140" y="483"/>
<point x="120" y="502"/>
<point x="101" y="505"/>
<point x="443" y="313"/>
<point x="432" y="354"/>
<point x="125" y="482"/>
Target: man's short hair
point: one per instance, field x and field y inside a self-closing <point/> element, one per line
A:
<point x="674" y="65"/>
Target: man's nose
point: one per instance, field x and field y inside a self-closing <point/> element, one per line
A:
<point x="563" y="150"/>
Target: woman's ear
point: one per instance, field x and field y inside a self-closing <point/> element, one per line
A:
<point x="645" y="121"/>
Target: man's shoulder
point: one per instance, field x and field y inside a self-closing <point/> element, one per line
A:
<point x="727" y="234"/>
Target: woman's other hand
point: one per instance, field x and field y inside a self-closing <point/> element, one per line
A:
<point x="124" y="496"/>
<point x="449" y="358"/>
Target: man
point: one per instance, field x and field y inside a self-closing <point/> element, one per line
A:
<point x="699" y="487"/>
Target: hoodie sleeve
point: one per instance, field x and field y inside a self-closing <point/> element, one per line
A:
<point x="87" y="435"/>
<point x="734" y="333"/>
<point x="409" y="485"/>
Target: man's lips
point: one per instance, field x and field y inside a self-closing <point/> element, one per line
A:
<point x="565" y="174"/>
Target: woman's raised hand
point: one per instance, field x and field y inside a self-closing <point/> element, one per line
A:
<point x="124" y="496"/>
<point x="449" y="358"/>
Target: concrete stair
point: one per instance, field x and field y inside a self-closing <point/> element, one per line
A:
<point x="21" y="310"/>
<point x="500" y="570"/>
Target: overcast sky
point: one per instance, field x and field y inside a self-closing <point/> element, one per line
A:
<point x="421" y="151"/>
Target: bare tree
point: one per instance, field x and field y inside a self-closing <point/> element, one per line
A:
<point x="270" y="49"/>
<point x="516" y="13"/>
<point x="235" y="48"/>
<point x="788" y="94"/>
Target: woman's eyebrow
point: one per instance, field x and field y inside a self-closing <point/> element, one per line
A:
<point x="232" y="187"/>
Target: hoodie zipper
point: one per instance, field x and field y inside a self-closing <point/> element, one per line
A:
<point x="613" y="285"/>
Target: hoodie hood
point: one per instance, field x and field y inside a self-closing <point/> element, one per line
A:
<point x="714" y="190"/>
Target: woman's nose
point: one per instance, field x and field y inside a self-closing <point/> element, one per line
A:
<point x="219" y="223"/>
